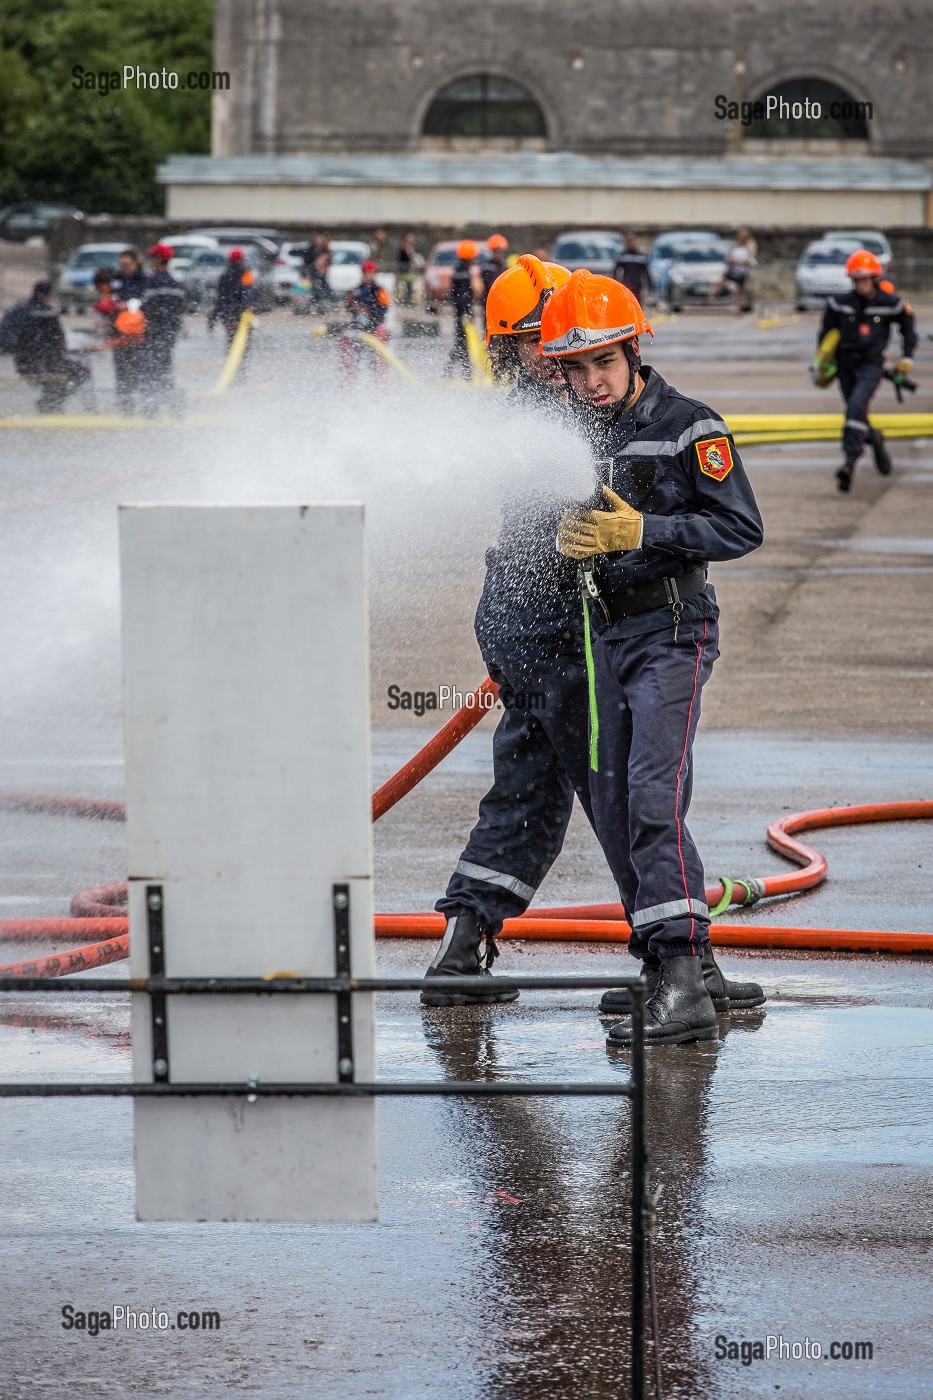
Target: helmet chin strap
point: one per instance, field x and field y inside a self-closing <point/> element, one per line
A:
<point x="633" y="355"/>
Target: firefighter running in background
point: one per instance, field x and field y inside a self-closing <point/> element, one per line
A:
<point x="676" y="496"/>
<point x="368" y="305"/>
<point x="163" y="302"/>
<point x="460" y="296"/>
<point x="528" y="625"/>
<point x="40" y="352"/>
<point x="862" y="320"/>
<point x="234" y="295"/>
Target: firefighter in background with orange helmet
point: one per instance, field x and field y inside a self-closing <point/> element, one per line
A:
<point x="863" y="318"/>
<point x="675" y="497"/>
<point x="234" y="294"/>
<point x="497" y="245"/>
<point x="460" y="296"/>
<point x="529" y="629"/>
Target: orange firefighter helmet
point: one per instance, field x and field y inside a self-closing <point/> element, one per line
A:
<point x="130" y="324"/>
<point x="516" y="298"/>
<point x="589" y="311"/>
<point x="862" y="263"/>
<point x="467" y="250"/>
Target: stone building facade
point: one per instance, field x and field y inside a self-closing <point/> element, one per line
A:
<point x="412" y="93"/>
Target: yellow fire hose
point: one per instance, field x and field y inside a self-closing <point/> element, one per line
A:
<point x="234" y="355"/>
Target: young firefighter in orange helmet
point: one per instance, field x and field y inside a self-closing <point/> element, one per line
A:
<point x="863" y="318"/>
<point x="676" y="497"/>
<point x="529" y="629"/>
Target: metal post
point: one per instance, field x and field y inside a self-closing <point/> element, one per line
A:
<point x="637" y="995"/>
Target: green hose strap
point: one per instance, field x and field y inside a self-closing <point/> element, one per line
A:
<point x="591" y="683"/>
<point x="728" y="891"/>
<point x="723" y="905"/>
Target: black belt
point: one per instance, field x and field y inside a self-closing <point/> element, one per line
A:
<point x="669" y="592"/>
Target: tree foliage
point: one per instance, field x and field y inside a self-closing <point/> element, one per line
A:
<point x="96" y="149"/>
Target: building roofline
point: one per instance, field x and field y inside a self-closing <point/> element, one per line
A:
<point x="548" y="169"/>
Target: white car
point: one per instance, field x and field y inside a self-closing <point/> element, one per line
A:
<point x="184" y="246"/>
<point x="821" y="272"/>
<point x="870" y="238"/>
<point x="695" y="270"/>
<point x="287" y="270"/>
<point x="346" y="261"/>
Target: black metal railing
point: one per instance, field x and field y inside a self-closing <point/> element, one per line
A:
<point x="158" y="987"/>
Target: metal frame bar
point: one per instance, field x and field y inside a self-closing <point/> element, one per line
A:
<point x="158" y="987"/>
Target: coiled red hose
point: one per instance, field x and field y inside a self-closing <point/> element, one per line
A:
<point x="99" y="911"/>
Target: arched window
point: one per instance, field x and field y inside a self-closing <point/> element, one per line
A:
<point x="841" y="116"/>
<point x="484" y="106"/>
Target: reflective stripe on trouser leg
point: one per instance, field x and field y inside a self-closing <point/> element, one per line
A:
<point x="857" y="384"/>
<point x="539" y="760"/>
<point x="649" y="692"/>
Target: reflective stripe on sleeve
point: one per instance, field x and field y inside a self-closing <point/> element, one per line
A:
<point x="707" y="427"/>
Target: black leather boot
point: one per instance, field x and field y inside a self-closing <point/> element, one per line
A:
<point x="882" y="460"/>
<point x="679" y="1008"/>
<point x="616" y="1001"/>
<point x="459" y="956"/>
<point x="845" y="473"/>
<point x="727" y="995"/>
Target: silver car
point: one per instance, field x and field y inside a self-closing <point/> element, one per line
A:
<point x="821" y="272"/>
<point x="75" y="284"/>
<point x="204" y="272"/>
<point x="597" y="250"/>
<point x="694" y="271"/>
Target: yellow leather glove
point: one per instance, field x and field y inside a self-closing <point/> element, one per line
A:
<point x="904" y="365"/>
<point x="600" y="531"/>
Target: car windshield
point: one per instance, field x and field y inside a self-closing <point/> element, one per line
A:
<point x="209" y="259"/>
<point x="444" y="257"/>
<point x="579" y="249"/>
<point x="347" y="255"/>
<point x="186" y="250"/>
<point x="867" y="240"/>
<point x="95" y="257"/>
<point x="701" y="254"/>
<point x="828" y="255"/>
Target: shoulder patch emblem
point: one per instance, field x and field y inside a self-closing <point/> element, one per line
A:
<point x="715" y="458"/>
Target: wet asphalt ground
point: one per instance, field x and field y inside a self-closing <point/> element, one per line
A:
<point x="792" y="1156"/>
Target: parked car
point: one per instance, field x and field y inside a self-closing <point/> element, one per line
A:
<point x="346" y="260"/>
<point x="286" y="271"/>
<point x="201" y="278"/>
<point x="870" y="238"/>
<point x="184" y="246"/>
<point x="269" y="239"/>
<point x="439" y="269"/>
<point x="75" y="284"/>
<point x="821" y="272"/>
<point x="665" y="248"/>
<point x="595" y="249"/>
<point x="695" y="270"/>
<point x="31" y="219"/>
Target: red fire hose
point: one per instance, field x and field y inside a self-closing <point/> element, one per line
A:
<point x="99" y="912"/>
